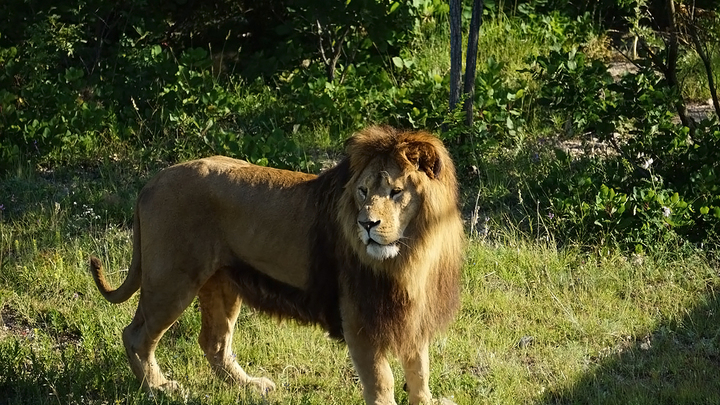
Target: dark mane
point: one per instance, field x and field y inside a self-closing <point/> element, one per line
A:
<point x="384" y="313"/>
<point x="319" y="303"/>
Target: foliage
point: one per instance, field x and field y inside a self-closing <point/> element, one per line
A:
<point x="659" y="181"/>
<point x="70" y="90"/>
<point x="576" y="87"/>
<point x="76" y="87"/>
<point x="505" y="96"/>
<point x="500" y="122"/>
<point x="607" y="13"/>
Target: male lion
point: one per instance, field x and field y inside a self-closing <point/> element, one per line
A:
<point x="370" y="250"/>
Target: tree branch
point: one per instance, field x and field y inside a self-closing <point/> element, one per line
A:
<point x="320" y="38"/>
<point x="337" y="51"/>
<point x="671" y="76"/>
<point x="706" y="62"/>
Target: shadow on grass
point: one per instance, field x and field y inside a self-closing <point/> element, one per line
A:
<point x="678" y="363"/>
<point x="30" y="376"/>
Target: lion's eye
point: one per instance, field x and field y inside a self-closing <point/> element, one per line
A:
<point x="394" y="192"/>
<point x="362" y="192"/>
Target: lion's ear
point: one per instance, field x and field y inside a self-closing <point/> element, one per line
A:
<point x="425" y="158"/>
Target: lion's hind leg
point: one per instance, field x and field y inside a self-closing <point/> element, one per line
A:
<point x="220" y="306"/>
<point x="153" y="317"/>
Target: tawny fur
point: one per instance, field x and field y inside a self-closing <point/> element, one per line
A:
<point x="370" y="250"/>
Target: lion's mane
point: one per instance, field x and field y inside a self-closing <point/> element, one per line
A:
<point x="399" y="301"/>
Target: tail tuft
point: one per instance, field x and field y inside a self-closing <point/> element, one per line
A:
<point x="122" y="293"/>
<point x="95" y="265"/>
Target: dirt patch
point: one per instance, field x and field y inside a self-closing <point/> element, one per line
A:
<point x="700" y="111"/>
<point x="619" y="68"/>
<point x="14" y="324"/>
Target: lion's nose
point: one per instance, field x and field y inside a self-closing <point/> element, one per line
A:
<point x="368" y="225"/>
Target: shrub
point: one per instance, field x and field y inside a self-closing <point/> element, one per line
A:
<point x="660" y="182"/>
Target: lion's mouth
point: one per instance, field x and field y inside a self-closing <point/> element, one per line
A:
<point x="372" y="241"/>
<point x="382" y="252"/>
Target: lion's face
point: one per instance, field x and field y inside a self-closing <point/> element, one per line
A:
<point x="387" y="201"/>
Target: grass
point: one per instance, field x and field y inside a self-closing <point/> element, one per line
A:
<point x="501" y="39"/>
<point x="598" y="325"/>
<point x="694" y="76"/>
<point x="537" y="324"/>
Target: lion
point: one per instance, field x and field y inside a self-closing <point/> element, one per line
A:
<point x="369" y="250"/>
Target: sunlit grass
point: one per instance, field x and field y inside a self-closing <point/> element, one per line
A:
<point x="501" y="38"/>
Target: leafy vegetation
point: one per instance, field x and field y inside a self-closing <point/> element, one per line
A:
<point x="594" y="205"/>
<point x="660" y="176"/>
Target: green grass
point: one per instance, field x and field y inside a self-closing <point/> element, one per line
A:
<point x="501" y="38"/>
<point x="694" y="76"/>
<point x="599" y="329"/>
<point x="588" y="318"/>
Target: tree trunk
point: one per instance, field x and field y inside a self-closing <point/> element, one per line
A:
<point x="471" y="60"/>
<point x="671" y="67"/>
<point x="455" y="51"/>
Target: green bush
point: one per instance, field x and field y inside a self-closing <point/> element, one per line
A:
<point x="499" y="122"/>
<point x="84" y="75"/>
<point x="660" y="182"/>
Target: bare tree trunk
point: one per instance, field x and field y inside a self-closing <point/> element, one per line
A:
<point x="471" y="60"/>
<point x="671" y="67"/>
<point x="455" y="51"/>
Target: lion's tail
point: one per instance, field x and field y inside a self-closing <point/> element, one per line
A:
<point x="131" y="283"/>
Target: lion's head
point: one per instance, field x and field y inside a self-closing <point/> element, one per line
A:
<point x="387" y="200"/>
<point x="399" y="186"/>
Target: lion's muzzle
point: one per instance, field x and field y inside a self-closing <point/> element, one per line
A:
<point x="377" y="245"/>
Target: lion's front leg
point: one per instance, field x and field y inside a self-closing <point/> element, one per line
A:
<point x="373" y="369"/>
<point x="416" y="365"/>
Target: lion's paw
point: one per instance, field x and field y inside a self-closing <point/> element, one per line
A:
<point x="443" y="401"/>
<point x="171" y="387"/>
<point x="264" y="385"/>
